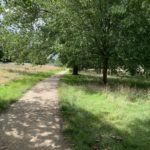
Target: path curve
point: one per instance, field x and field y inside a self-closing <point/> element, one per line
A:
<point x="34" y="122"/>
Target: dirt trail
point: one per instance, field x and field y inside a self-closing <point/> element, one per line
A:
<point x="34" y="122"/>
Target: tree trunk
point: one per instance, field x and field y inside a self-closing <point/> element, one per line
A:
<point x="105" y="68"/>
<point x="75" y="70"/>
<point x="132" y="71"/>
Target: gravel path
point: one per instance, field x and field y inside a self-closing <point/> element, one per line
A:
<point x="34" y="122"/>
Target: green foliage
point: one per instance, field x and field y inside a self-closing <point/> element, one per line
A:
<point x="88" y="34"/>
<point x="116" y="30"/>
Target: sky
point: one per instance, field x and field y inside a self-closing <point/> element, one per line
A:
<point x="1" y="16"/>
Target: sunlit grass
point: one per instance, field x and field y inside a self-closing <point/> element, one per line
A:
<point x="116" y="117"/>
<point x="11" y="71"/>
<point x="18" y="80"/>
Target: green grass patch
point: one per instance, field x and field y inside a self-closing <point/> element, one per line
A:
<point x="116" y="117"/>
<point x="13" y="90"/>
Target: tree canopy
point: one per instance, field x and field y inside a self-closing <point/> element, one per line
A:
<point x="84" y="33"/>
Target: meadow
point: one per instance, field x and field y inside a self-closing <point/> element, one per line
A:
<point x="17" y="79"/>
<point x="115" y="117"/>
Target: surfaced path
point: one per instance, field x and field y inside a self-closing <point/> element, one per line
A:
<point x="34" y="122"/>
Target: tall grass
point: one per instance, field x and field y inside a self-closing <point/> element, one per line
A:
<point x="116" y="117"/>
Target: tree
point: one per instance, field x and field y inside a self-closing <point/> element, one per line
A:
<point x="113" y="28"/>
<point x="85" y="33"/>
<point x="22" y="40"/>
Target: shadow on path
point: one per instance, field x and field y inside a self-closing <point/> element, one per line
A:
<point x="34" y="123"/>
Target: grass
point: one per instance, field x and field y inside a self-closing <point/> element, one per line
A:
<point x="116" y="117"/>
<point x="10" y="71"/>
<point x="14" y="87"/>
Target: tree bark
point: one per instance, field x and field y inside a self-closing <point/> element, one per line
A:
<point x="105" y="68"/>
<point x="75" y="70"/>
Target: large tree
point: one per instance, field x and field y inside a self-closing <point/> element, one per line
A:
<point x="117" y="30"/>
<point x="85" y="33"/>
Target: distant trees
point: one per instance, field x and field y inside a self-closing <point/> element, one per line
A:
<point x="86" y="34"/>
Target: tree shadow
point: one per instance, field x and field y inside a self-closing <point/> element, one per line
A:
<point x="81" y="81"/>
<point x="31" y="125"/>
<point x="113" y="82"/>
<point x="5" y="103"/>
<point x="34" y="122"/>
<point x="135" y="88"/>
<point x="90" y="131"/>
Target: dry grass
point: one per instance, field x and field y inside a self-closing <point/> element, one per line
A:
<point x="12" y="71"/>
